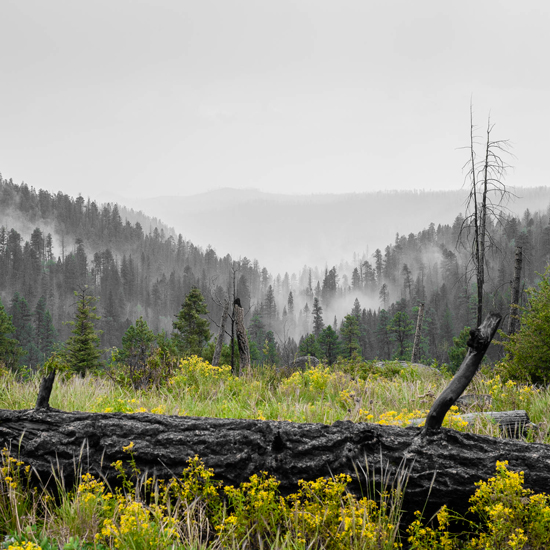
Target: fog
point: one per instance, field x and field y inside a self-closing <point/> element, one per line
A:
<point x="286" y="232"/>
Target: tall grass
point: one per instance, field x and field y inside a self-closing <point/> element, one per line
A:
<point x="349" y="391"/>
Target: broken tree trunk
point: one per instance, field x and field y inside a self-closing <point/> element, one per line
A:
<point x="513" y="324"/>
<point x="45" y="390"/>
<point x="416" y="346"/>
<point x="444" y="464"/>
<point x="219" y="342"/>
<point x="480" y="339"/>
<point x="242" y="340"/>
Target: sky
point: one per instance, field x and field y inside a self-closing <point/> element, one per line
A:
<point x="120" y="98"/>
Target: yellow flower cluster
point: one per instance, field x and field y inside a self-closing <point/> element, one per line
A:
<point x="195" y="370"/>
<point x="509" y="394"/>
<point x="405" y="417"/>
<point x="24" y="546"/>
<point x="128" y="406"/>
<point x="511" y="517"/>
<point x="140" y="526"/>
<point x="316" y="379"/>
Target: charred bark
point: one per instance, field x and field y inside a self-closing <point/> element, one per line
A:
<point x="444" y="464"/>
<point x="417" y="335"/>
<point x="513" y="324"/>
<point x="45" y="390"/>
<point x="242" y="340"/>
<point x="480" y="339"/>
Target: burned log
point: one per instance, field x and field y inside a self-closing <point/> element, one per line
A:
<point x="443" y="464"/>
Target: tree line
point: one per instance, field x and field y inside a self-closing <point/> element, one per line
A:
<point x="366" y="307"/>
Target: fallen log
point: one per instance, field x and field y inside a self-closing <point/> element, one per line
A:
<point x="443" y="464"/>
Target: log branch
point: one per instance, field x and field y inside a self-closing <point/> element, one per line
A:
<point x="480" y="339"/>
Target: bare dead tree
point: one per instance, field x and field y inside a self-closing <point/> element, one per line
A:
<point x="418" y="334"/>
<point x="242" y="339"/>
<point x="486" y="200"/>
<point x="223" y="299"/>
<point x="513" y="324"/>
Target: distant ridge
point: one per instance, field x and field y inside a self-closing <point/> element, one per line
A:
<point x="284" y="232"/>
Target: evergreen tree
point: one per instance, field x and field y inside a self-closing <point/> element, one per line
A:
<point x="45" y="332"/>
<point x="528" y="352"/>
<point x="318" y="323"/>
<point x="349" y="334"/>
<point x="192" y="330"/>
<point x="308" y="346"/>
<point x="24" y="331"/>
<point x="402" y="329"/>
<point x="270" y="349"/>
<point x="138" y="344"/>
<point x="383" y="336"/>
<point x="10" y="351"/>
<point x="329" y="345"/>
<point x="356" y="309"/>
<point x="81" y="352"/>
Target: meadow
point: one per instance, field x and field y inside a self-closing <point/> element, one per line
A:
<point x="193" y="511"/>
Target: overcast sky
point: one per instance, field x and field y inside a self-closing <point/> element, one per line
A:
<point x="138" y="98"/>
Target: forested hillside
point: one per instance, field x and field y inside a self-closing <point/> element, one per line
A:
<point x="53" y="244"/>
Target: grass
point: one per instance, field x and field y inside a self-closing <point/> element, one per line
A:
<point x="348" y="391"/>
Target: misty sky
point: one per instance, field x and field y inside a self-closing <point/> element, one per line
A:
<point x="120" y="98"/>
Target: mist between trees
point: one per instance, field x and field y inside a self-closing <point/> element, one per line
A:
<point x="140" y="268"/>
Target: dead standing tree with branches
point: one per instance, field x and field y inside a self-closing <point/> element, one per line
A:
<point x="486" y="200"/>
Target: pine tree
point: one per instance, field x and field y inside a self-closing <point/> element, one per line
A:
<point x="308" y="346"/>
<point x="270" y="349"/>
<point x="10" y="351"/>
<point x="401" y="328"/>
<point x="318" y="323"/>
<point x="81" y="352"/>
<point x="192" y="330"/>
<point x="24" y="330"/>
<point x="329" y="345"/>
<point x="349" y="333"/>
<point x="45" y="332"/>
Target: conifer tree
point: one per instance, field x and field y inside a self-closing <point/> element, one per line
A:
<point x="329" y="345"/>
<point x="45" y="333"/>
<point x="82" y="351"/>
<point x="308" y="346"/>
<point x="192" y="331"/>
<point x="349" y="333"/>
<point x="10" y="351"/>
<point x="318" y="324"/>
<point x="24" y="330"/>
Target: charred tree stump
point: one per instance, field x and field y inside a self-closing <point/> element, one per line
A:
<point x="45" y="390"/>
<point x="444" y="464"/>
<point x="513" y="324"/>
<point x="480" y="339"/>
<point x="418" y="333"/>
<point x="242" y="340"/>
